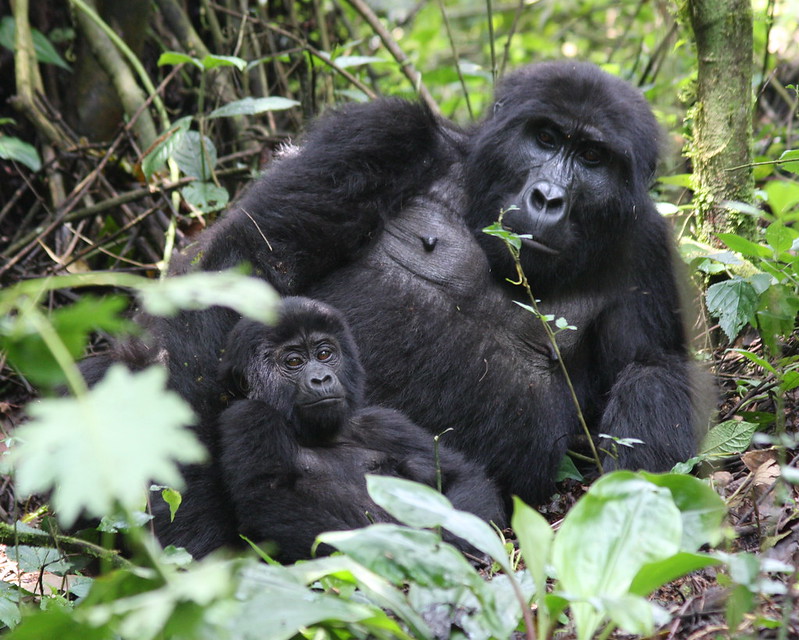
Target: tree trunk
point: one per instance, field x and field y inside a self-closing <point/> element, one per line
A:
<point x="721" y="150"/>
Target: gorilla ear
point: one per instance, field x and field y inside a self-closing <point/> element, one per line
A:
<point x="498" y="105"/>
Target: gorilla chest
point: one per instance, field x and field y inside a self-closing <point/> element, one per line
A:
<point x="430" y="319"/>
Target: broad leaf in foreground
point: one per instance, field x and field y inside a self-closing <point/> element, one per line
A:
<point x="107" y="447"/>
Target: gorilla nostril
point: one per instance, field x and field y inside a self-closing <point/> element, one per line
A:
<point x="546" y="197"/>
<point x="538" y="199"/>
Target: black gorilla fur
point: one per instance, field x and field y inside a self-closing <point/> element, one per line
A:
<point x="294" y="454"/>
<point x="381" y="214"/>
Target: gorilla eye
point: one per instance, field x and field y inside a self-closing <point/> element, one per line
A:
<point x="324" y="354"/>
<point x="545" y="138"/>
<point x="293" y="361"/>
<point x="591" y="156"/>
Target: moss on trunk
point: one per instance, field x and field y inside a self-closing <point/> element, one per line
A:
<point x="721" y="149"/>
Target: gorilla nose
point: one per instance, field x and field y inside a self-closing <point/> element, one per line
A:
<point x="545" y="197"/>
<point x="321" y="380"/>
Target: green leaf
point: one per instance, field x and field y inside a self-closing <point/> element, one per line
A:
<point x="165" y="147"/>
<point x="678" y="180"/>
<point x="19" y="151"/>
<point x="250" y="106"/>
<point x="375" y="587"/>
<point x="10" y="615"/>
<point x="535" y="542"/>
<point x="205" y="196"/>
<point x="655" y="574"/>
<point x="213" y="61"/>
<point x="195" y="155"/>
<point x="345" y="62"/>
<point x="623" y="523"/>
<point x="175" y="57"/>
<point x="789" y="160"/>
<point x="417" y="556"/>
<point x="743" y="246"/>
<point x="248" y="296"/>
<point x="22" y="341"/>
<point x="418" y="505"/>
<point x="701" y="508"/>
<point x="728" y="438"/>
<point x="275" y="606"/>
<point x="45" y="51"/>
<point x="733" y="302"/>
<point x="567" y="470"/>
<point x="782" y="196"/>
<point x="173" y="498"/>
<point x="779" y="237"/>
<point x="105" y="448"/>
<point x="631" y="613"/>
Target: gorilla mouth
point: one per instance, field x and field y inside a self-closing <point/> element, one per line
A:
<point x="536" y="245"/>
<point x="323" y="402"/>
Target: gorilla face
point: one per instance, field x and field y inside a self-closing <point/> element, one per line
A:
<point x="306" y="367"/>
<point x="565" y="167"/>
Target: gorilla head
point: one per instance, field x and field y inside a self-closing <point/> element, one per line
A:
<point x="568" y="154"/>
<point x="307" y="366"/>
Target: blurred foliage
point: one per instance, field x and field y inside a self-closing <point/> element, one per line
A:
<point x="82" y="191"/>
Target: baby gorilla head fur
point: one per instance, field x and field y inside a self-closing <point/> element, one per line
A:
<point x="306" y="366"/>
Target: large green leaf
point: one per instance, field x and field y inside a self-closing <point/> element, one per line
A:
<point x="701" y="508"/>
<point x="418" y="505"/>
<point x="733" y="302"/>
<point x="205" y="196"/>
<point x="21" y="337"/>
<point x="248" y="296"/>
<point x="105" y="448"/>
<point x="728" y="438"/>
<point x="620" y="525"/>
<point x="164" y="148"/>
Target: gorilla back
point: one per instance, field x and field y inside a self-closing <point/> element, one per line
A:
<point x="381" y="215"/>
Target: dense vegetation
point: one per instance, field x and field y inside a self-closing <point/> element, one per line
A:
<point x="119" y="144"/>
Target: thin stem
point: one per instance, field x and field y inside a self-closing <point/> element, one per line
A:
<point x="522" y="280"/>
<point x="456" y="55"/>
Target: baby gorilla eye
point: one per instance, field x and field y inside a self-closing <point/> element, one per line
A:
<point x="293" y="361"/>
<point x="324" y="354"/>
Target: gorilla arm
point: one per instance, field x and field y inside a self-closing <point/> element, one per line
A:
<point x="274" y="497"/>
<point x="656" y="392"/>
<point x="315" y="209"/>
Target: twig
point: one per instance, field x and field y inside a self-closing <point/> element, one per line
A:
<point x="11" y="536"/>
<point x="396" y="52"/>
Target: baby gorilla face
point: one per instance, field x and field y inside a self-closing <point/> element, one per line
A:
<point x="312" y="365"/>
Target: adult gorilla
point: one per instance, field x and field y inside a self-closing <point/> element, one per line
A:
<point x="381" y="215"/>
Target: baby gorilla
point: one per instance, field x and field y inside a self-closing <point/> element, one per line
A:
<point x="294" y="453"/>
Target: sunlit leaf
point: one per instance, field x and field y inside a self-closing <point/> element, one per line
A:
<point x="418" y="505"/>
<point x="175" y="57"/>
<point x="105" y="448"/>
<point x="250" y="106"/>
<point x="248" y="296"/>
<point x="623" y="523"/>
